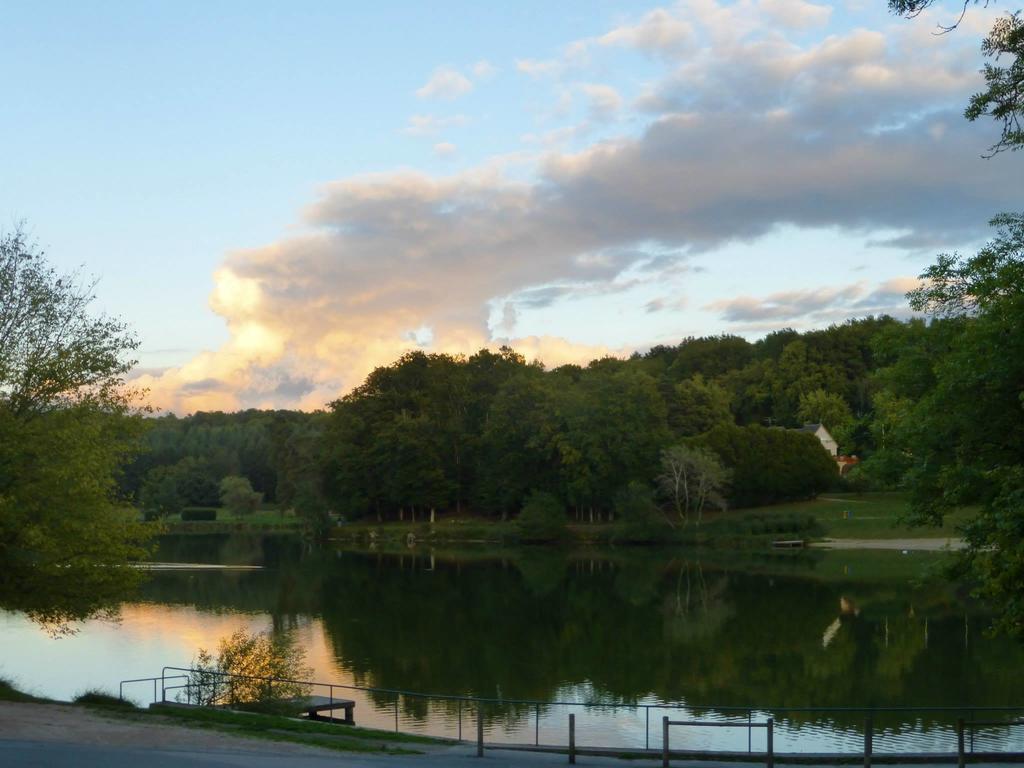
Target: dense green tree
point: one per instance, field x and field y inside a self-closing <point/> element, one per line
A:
<point x="696" y="406"/>
<point x="770" y="465"/>
<point x="957" y="426"/>
<point x="542" y="518"/>
<point x="67" y="423"/>
<point x="237" y="495"/>
<point x="1003" y="97"/>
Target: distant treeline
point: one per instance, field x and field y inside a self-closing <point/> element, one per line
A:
<point x="478" y="434"/>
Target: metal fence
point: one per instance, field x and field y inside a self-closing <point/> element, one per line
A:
<point x="596" y="726"/>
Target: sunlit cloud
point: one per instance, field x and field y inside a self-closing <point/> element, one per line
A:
<point x="744" y="132"/>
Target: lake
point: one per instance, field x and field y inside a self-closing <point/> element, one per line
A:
<point x="707" y="632"/>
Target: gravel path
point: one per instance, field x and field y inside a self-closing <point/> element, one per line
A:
<point x="910" y="545"/>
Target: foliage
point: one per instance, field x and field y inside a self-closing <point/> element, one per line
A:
<point x="248" y="667"/>
<point x="1003" y="97"/>
<point x="198" y="513"/>
<point x="692" y="478"/>
<point x="956" y="431"/>
<point x="237" y="495"/>
<point x="542" y="518"/>
<point x="637" y="515"/>
<point x="67" y="424"/>
<point x="771" y="465"/>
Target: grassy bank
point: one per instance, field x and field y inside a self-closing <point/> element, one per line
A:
<point x="267" y="519"/>
<point x="244" y="724"/>
<point x="839" y="516"/>
<point x="870" y="516"/>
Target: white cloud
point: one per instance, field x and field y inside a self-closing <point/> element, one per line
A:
<point x="445" y="149"/>
<point x="431" y="125"/>
<point x="658" y="31"/>
<point x="539" y="67"/>
<point x="796" y="14"/>
<point x="484" y="70"/>
<point x="604" y="101"/>
<point x="749" y="132"/>
<point x="445" y="83"/>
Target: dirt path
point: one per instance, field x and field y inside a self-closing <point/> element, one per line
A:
<point x="79" y="725"/>
<point x="910" y="545"/>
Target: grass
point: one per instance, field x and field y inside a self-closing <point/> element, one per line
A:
<point x="9" y="693"/>
<point x="102" y="700"/>
<point x="869" y="516"/>
<point x="246" y="724"/>
<point x="295" y="730"/>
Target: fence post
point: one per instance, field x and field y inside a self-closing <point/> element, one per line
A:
<point x="536" y="728"/>
<point x="771" y="742"/>
<point x="460" y="719"/>
<point x="647" y="727"/>
<point x="480" y="730"/>
<point x="572" y="739"/>
<point x="960" y="759"/>
<point x="664" y="741"/>
<point x="397" y="697"/>
<point x="869" y="734"/>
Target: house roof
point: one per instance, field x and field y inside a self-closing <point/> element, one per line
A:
<point x="812" y="428"/>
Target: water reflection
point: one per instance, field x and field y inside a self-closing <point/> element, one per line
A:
<point x="710" y="631"/>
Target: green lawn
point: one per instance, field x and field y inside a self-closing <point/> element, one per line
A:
<point x="869" y="516"/>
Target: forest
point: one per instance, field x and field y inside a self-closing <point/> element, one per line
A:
<point x="477" y="435"/>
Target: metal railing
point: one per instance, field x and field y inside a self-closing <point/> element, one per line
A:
<point x="768" y="724"/>
<point x="524" y="710"/>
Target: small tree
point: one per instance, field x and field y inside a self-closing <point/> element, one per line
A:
<point x="160" y="495"/>
<point x="542" y="518"/>
<point x="637" y="514"/>
<point x="693" y="478"/>
<point x="248" y="668"/>
<point x="237" y="495"/>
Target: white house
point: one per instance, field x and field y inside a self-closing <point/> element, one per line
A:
<point x="827" y="441"/>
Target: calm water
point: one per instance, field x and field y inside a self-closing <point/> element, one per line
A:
<point x="705" y="632"/>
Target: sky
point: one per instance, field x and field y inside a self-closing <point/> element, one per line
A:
<point x="279" y="197"/>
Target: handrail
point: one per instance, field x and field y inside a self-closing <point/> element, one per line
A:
<point x="171" y="674"/>
<point x="768" y="724"/>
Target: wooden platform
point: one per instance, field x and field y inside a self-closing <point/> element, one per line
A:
<point x="312" y="706"/>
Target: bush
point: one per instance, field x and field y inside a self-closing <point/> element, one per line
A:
<point x="98" y="698"/>
<point x="771" y="465"/>
<point x="198" y="513"/>
<point x="240" y="672"/>
<point x="542" y="518"/>
<point x="237" y="495"/>
<point x="637" y="516"/>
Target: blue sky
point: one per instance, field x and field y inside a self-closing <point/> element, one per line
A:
<point x="280" y="196"/>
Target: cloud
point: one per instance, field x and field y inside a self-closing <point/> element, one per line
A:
<point x="445" y="83"/>
<point x="539" y="67"/>
<point x="796" y="14"/>
<point x="745" y="135"/>
<point x="445" y="149"/>
<point x="604" y="101"/>
<point x="658" y="31"/>
<point x="818" y="304"/>
<point x="431" y="125"/>
<point x="484" y="70"/>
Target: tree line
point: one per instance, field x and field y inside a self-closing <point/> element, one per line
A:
<point x="437" y="433"/>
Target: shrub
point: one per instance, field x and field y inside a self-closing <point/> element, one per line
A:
<point x="240" y="673"/>
<point x="237" y="495"/>
<point x="542" y="518"/>
<point x="771" y="465"/>
<point x="198" y="513"/>
<point x="638" y="517"/>
<point x="98" y="698"/>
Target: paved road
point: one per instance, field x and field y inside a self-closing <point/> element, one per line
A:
<point x="48" y="754"/>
